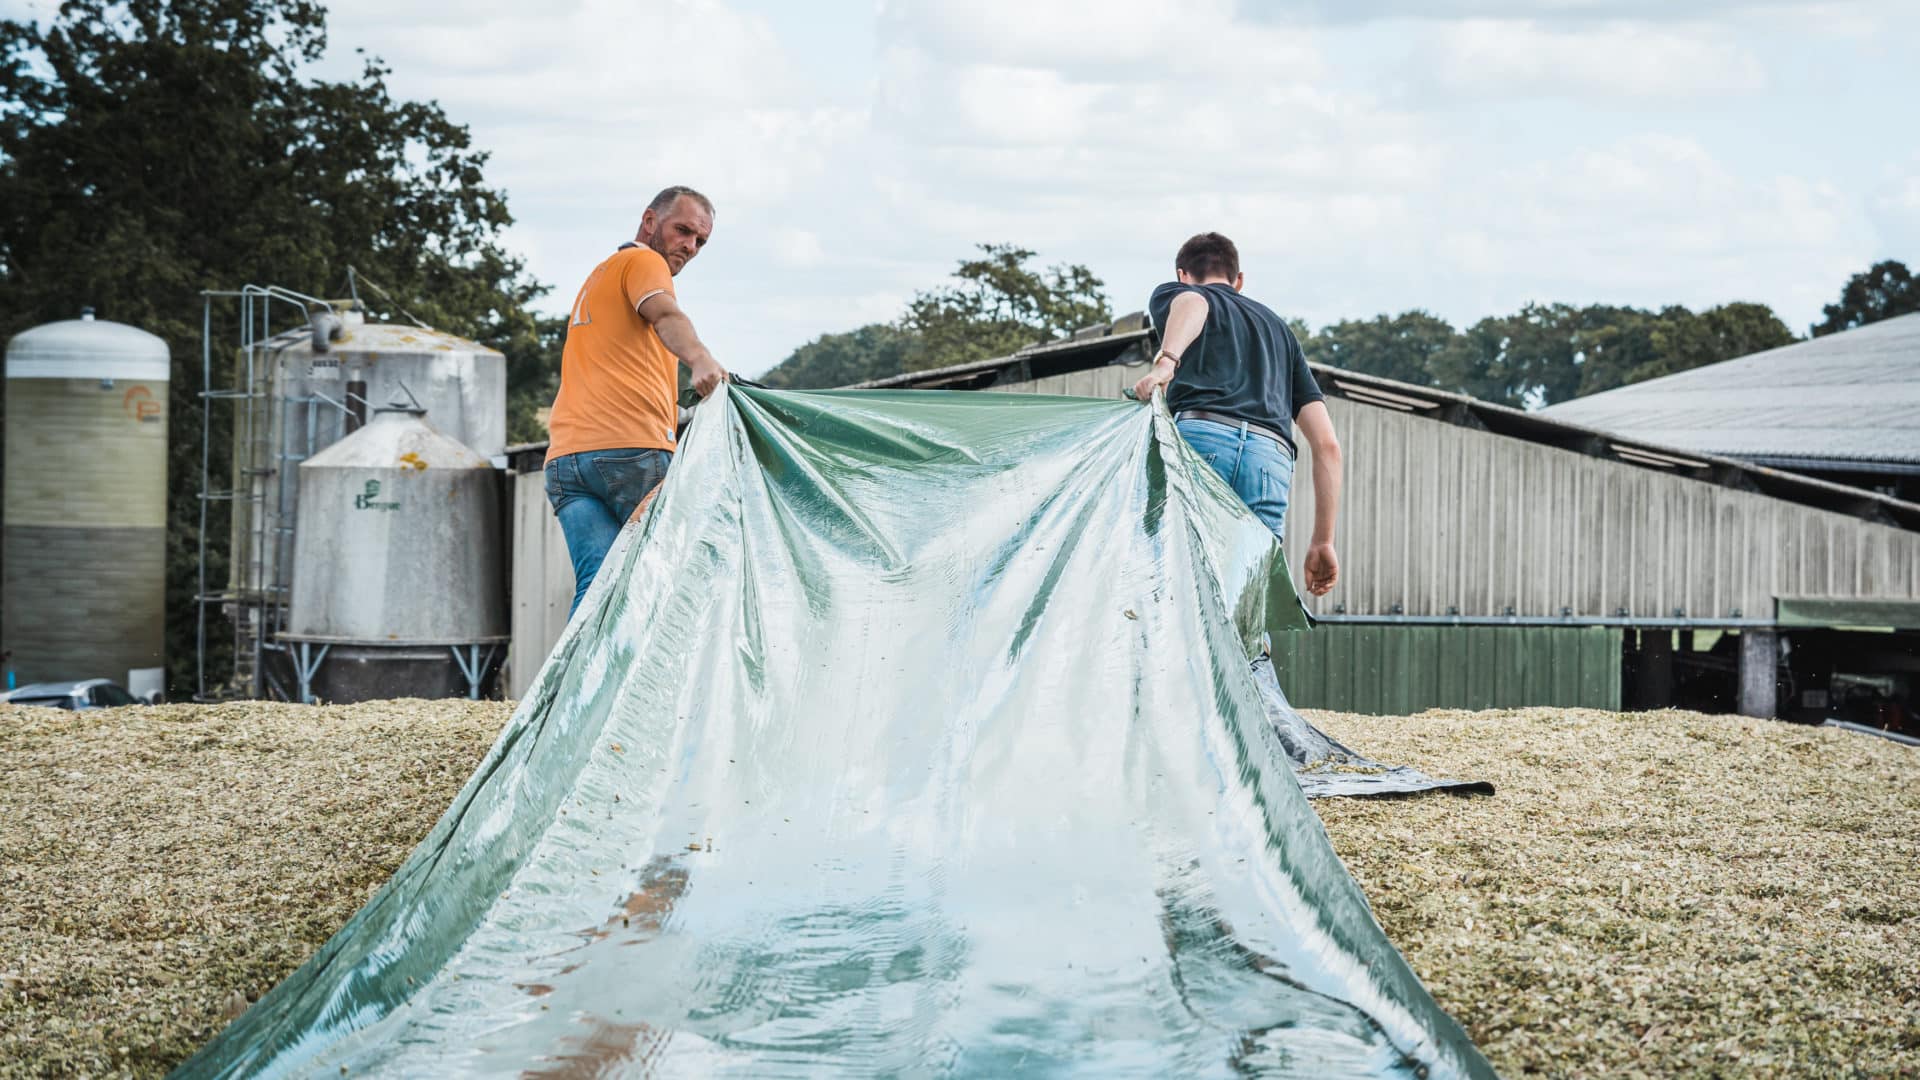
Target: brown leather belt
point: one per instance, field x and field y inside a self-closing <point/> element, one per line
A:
<point x="1234" y="422"/>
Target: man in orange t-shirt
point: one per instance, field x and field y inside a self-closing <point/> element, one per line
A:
<point x="613" y="421"/>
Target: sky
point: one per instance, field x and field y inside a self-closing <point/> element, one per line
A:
<point x="1463" y="157"/>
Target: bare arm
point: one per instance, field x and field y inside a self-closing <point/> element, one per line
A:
<point x="1185" y="319"/>
<point x="676" y="330"/>
<point x="1323" y="563"/>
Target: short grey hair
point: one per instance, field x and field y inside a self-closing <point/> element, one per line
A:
<point x="664" y="201"/>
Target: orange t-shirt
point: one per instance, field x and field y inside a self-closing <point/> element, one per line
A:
<point x="619" y="386"/>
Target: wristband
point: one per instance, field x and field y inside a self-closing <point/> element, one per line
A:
<point x="1168" y="355"/>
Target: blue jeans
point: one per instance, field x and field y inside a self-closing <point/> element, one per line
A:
<point x="593" y="493"/>
<point x="1258" y="469"/>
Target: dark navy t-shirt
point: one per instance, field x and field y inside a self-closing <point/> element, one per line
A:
<point x="1245" y="364"/>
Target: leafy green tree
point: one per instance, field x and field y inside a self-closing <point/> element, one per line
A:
<point x="1404" y="347"/>
<point x="1474" y="364"/>
<point x="995" y="307"/>
<point x="153" y="148"/>
<point x="1547" y="353"/>
<point x="1745" y="328"/>
<point x="1683" y="340"/>
<point x="1619" y="346"/>
<point x="1524" y="360"/>
<point x="1610" y="342"/>
<point x="998" y="306"/>
<point x="1886" y="289"/>
<point x="533" y="375"/>
<point x="873" y="351"/>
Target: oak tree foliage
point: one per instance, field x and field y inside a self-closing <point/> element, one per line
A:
<point x="150" y="149"/>
<point x="995" y="305"/>
<point x="1882" y="291"/>
<point x="1547" y="353"/>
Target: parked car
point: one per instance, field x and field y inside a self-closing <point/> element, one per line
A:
<point x="79" y="694"/>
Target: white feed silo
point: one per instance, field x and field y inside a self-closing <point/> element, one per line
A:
<point x="85" y="511"/>
<point x="397" y="566"/>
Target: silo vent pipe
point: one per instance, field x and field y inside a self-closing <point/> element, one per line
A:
<point x="327" y="327"/>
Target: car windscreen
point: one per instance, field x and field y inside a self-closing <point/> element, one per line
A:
<point x="110" y="695"/>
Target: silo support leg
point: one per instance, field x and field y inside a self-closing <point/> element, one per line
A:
<point x="473" y="665"/>
<point x="306" y="664"/>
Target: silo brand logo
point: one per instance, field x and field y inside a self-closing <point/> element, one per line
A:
<point x="139" y="403"/>
<point x="370" y="499"/>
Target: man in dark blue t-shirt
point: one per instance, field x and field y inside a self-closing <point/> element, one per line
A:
<point x="1237" y="385"/>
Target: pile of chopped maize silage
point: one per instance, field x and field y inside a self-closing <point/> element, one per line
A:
<point x="1658" y="894"/>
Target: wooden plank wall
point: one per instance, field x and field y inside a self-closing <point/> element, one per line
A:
<point x="1441" y="517"/>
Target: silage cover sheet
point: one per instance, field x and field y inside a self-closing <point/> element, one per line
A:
<point x="904" y="734"/>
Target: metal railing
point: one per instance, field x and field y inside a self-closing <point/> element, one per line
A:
<point x="259" y="492"/>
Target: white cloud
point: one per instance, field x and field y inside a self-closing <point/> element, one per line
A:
<point x="1895" y="205"/>
<point x="1190" y="101"/>
<point x="590" y="106"/>
<point x="1568" y="11"/>
<point x="1655" y="220"/>
<point x="1150" y="37"/>
<point x="850" y="311"/>
<point x="1498" y="58"/>
<point x="798" y="248"/>
<point x="1525" y="149"/>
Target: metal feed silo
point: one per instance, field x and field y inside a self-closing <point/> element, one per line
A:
<point x="303" y="390"/>
<point x="312" y="387"/>
<point x="397" y="584"/>
<point x="85" y="510"/>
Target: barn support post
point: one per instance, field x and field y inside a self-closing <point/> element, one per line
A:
<point x="1654" y="670"/>
<point x="1759" y="664"/>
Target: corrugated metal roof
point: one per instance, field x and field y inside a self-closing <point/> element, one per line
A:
<point x="1847" y="397"/>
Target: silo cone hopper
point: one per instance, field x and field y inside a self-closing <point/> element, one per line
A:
<point x="397" y="583"/>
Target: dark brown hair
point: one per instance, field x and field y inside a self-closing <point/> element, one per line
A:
<point x="1208" y="255"/>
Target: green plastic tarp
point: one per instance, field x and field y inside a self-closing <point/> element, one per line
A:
<point x="904" y="734"/>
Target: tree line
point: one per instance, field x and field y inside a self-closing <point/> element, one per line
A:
<point x="1537" y="356"/>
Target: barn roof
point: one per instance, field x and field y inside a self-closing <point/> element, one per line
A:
<point x="1847" y="400"/>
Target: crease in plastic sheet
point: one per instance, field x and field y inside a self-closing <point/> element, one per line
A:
<point x="905" y="734"/>
<point x="1327" y="768"/>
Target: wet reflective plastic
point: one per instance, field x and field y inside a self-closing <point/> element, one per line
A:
<point x="905" y="734"/>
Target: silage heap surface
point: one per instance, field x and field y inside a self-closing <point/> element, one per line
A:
<point x="907" y="733"/>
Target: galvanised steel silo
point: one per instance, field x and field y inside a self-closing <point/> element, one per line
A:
<point x="397" y="582"/>
<point x="310" y="388"/>
<point x="301" y="391"/>
<point x="85" y="512"/>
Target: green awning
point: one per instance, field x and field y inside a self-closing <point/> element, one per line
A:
<point x="1847" y="611"/>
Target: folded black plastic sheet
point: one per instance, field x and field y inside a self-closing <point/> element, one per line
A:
<point x="905" y="734"/>
<point x="1325" y="768"/>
